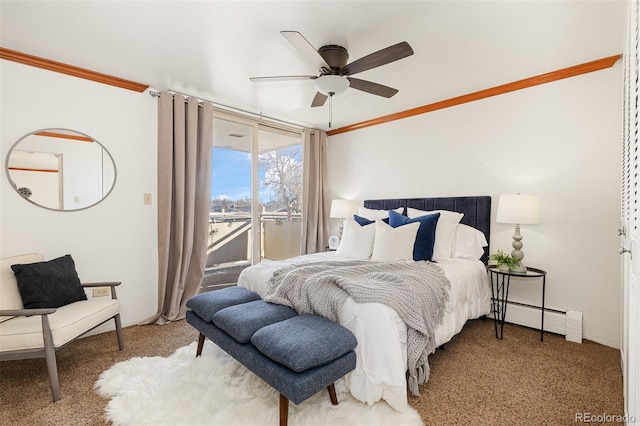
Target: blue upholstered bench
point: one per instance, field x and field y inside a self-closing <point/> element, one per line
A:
<point x="298" y="355"/>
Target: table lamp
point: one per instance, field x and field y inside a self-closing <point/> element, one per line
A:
<point x="520" y="209"/>
<point x="341" y="209"/>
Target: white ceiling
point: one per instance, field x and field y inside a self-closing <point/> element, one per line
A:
<point x="210" y="49"/>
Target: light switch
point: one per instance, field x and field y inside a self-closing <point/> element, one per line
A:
<point x="76" y="198"/>
<point x="147" y="198"/>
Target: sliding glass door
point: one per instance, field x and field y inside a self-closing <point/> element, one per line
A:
<point x="256" y="198"/>
<point x="230" y="241"/>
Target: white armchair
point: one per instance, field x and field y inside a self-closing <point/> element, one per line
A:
<point x="38" y="333"/>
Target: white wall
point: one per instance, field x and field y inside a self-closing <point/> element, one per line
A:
<point x="115" y="240"/>
<point x="560" y="141"/>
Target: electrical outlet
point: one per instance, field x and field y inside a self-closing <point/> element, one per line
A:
<point x="101" y="291"/>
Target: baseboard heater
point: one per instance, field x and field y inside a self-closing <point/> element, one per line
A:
<point x="565" y="323"/>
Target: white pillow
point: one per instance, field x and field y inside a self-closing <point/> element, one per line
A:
<point x="468" y="243"/>
<point x="394" y="243"/>
<point x="375" y="214"/>
<point x="357" y="241"/>
<point x="445" y="229"/>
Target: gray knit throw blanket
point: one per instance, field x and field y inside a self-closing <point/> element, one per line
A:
<point x="417" y="291"/>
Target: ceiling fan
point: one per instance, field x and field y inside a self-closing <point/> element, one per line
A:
<point x="335" y="73"/>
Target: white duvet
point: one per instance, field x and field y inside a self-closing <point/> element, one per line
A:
<point x="381" y="334"/>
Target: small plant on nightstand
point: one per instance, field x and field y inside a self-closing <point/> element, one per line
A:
<point x="504" y="261"/>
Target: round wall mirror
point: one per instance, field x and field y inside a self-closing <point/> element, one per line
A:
<point x="61" y="169"/>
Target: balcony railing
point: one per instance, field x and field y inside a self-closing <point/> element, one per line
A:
<point x="229" y="244"/>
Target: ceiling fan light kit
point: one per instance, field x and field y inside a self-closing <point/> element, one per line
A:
<point x="331" y="84"/>
<point x="331" y="62"/>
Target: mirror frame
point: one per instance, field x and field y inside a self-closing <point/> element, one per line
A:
<point x="54" y="129"/>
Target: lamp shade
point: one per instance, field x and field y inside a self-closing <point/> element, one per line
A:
<point x="341" y="208"/>
<point x="520" y="209"/>
<point x="331" y="84"/>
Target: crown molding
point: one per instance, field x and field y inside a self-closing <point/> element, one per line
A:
<point x="486" y="93"/>
<point x="47" y="64"/>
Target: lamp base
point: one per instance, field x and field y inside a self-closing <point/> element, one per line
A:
<point x="517" y="250"/>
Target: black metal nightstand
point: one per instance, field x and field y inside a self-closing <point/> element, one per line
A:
<point x="500" y="296"/>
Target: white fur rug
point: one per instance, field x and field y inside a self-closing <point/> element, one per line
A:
<point x="215" y="389"/>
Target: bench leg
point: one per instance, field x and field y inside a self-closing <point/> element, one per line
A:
<point x="284" y="404"/>
<point x="200" y="345"/>
<point x="284" y="410"/>
<point x="332" y="394"/>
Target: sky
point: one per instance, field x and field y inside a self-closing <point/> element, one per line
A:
<point x="230" y="174"/>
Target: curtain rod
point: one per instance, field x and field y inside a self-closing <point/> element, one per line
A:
<point x="156" y="94"/>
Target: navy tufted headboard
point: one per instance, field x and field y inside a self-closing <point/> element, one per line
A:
<point x="477" y="210"/>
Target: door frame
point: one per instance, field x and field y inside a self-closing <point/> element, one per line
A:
<point x="629" y="213"/>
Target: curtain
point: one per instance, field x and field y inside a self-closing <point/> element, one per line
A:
<point x="185" y="143"/>
<point x="315" y="209"/>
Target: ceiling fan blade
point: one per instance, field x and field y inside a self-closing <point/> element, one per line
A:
<point x="305" y="48"/>
<point x="319" y="100"/>
<point x="283" y="78"/>
<point x="376" y="59"/>
<point x="371" y="87"/>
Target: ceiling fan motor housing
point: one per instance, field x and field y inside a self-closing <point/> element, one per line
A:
<point x="335" y="56"/>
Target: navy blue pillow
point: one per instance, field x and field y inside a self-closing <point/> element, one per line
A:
<point x="363" y="221"/>
<point x="426" y="237"/>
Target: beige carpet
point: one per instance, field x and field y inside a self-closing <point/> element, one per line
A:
<point x="475" y="380"/>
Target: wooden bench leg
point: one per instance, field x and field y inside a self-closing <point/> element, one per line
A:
<point x="284" y="410"/>
<point x="332" y="394"/>
<point x="284" y="404"/>
<point x="200" y="345"/>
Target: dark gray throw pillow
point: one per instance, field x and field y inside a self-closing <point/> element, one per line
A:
<point x="49" y="284"/>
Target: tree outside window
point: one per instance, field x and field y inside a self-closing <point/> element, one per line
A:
<point x="280" y="174"/>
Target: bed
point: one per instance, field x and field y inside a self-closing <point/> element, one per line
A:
<point x="381" y="368"/>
